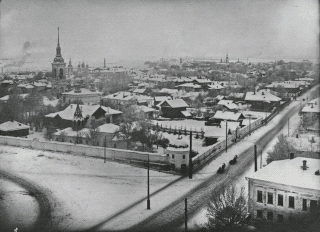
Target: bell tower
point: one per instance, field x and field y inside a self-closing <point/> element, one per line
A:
<point x="58" y="65"/>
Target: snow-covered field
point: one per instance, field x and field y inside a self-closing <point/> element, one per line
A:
<point x="85" y="190"/>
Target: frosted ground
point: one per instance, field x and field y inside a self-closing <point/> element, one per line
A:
<point x="85" y="191"/>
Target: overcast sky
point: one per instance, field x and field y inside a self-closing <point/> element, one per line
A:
<point x="91" y="30"/>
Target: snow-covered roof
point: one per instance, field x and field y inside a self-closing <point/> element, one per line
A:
<point x="215" y="131"/>
<point x="216" y="86"/>
<point x="12" y="126"/>
<point x="83" y="92"/>
<point x="139" y="90"/>
<point x="228" y="103"/>
<point x="27" y="86"/>
<point x="86" y="110"/>
<point x="227" y="115"/>
<point x="261" y="95"/>
<point x="169" y="91"/>
<point x="304" y="144"/>
<point x="108" y="128"/>
<point x="176" y="103"/>
<point x="162" y="98"/>
<point x="203" y="81"/>
<point x="290" y="173"/>
<point x="285" y="84"/>
<point x="312" y="106"/>
<point x="190" y="85"/>
<point x="146" y="109"/>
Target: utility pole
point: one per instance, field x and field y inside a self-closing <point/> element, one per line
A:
<point x="148" y="200"/>
<point x="186" y="214"/>
<point x="249" y="124"/>
<point x="288" y="127"/>
<point x="105" y="148"/>
<point x="226" y="136"/>
<point x="255" y="158"/>
<point x="261" y="160"/>
<point x="190" y="157"/>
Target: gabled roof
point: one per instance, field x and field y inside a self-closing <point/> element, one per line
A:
<point x="227" y="115"/>
<point x="228" y="103"/>
<point x="146" y="109"/>
<point x="139" y="90"/>
<point x="289" y="172"/>
<point x="176" y="103"/>
<point x="12" y="126"/>
<point x="261" y="95"/>
<point x="86" y="110"/>
<point x="108" y="128"/>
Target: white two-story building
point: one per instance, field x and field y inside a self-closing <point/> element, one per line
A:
<point x="284" y="189"/>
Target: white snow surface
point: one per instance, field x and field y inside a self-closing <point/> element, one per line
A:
<point x="86" y="191"/>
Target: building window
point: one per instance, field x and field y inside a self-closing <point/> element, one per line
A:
<point x="280" y="218"/>
<point x="304" y="205"/>
<point x="270" y="198"/>
<point x="259" y="213"/>
<point x="259" y="196"/>
<point x="184" y="156"/>
<point x="270" y="216"/>
<point x="172" y="156"/>
<point x="291" y="202"/>
<point x="280" y="199"/>
<point x="313" y="204"/>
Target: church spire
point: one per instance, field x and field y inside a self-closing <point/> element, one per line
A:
<point x="58" y="46"/>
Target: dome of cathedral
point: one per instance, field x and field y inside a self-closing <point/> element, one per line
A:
<point x="58" y="59"/>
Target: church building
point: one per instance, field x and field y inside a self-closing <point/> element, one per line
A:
<point x="58" y="65"/>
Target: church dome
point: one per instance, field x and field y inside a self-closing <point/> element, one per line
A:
<point x="58" y="59"/>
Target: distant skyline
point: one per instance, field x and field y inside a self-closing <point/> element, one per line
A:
<point x="137" y="30"/>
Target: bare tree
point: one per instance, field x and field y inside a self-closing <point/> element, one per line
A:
<point x="281" y="150"/>
<point x="226" y="209"/>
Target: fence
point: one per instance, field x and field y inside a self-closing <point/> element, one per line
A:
<point x="201" y="159"/>
<point x="113" y="154"/>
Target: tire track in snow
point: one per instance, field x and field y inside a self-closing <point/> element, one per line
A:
<point x="172" y="217"/>
<point x="44" y="219"/>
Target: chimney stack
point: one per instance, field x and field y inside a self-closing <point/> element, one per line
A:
<point x="304" y="166"/>
<point x="291" y="156"/>
<point x="104" y="63"/>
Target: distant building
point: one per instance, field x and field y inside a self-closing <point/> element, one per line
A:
<point x="284" y="189"/>
<point x="176" y="108"/>
<point x="14" y="128"/>
<point x="82" y="95"/>
<point x="262" y="100"/>
<point x="58" y="65"/>
<point x="59" y="83"/>
<point x="66" y="118"/>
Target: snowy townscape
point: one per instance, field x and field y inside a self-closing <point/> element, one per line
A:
<point x="159" y="116"/>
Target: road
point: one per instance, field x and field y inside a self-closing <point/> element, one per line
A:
<point x="44" y="219"/>
<point x="172" y="217"/>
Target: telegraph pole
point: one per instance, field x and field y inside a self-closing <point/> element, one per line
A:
<point x="226" y="136"/>
<point x="186" y="214"/>
<point x="190" y="157"/>
<point x="255" y="158"/>
<point x="148" y="200"/>
<point x="105" y="149"/>
<point x="288" y="127"/>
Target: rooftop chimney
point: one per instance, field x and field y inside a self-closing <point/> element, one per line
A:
<point x="291" y="156"/>
<point x="304" y="166"/>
